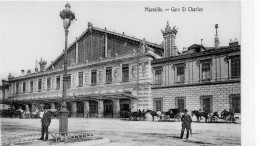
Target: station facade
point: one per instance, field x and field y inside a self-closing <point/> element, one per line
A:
<point x="111" y="72"/>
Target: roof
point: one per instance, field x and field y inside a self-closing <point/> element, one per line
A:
<point x="109" y="32"/>
<point x="224" y="49"/>
<point x="196" y="46"/>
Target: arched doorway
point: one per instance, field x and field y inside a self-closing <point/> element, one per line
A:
<point x="23" y="107"/>
<point x="93" y="109"/>
<point x="47" y="106"/>
<point x="125" y="105"/>
<point x="108" y="108"/>
<point x="80" y="109"/>
<point x="57" y="106"/>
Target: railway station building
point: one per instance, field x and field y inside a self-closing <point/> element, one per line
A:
<point x="111" y="72"/>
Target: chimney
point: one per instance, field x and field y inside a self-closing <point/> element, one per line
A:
<point x="233" y="43"/>
<point x="90" y="25"/>
<point x="216" y="40"/>
<point x="22" y="72"/>
<point x="42" y="64"/>
<point x="28" y="71"/>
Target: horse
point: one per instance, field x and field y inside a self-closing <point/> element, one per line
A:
<point x="153" y="113"/>
<point x="18" y="113"/>
<point x="199" y="115"/>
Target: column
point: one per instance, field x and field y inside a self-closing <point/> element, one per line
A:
<point x="100" y="108"/>
<point x="27" y="108"/>
<point x="52" y="105"/>
<point x="116" y="109"/>
<point x="73" y="109"/>
<point x="86" y="109"/>
<point x="27" y="111"/>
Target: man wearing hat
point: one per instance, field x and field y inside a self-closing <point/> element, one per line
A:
<point x="186" y="123"/>
<point x="46" y="120"/>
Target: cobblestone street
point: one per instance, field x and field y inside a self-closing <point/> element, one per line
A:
<point x="122" y="132"/>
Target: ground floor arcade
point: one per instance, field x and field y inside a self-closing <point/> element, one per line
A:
<point x="107" y="106"/>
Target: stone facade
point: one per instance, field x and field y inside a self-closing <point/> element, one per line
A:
<point x="219" y="93"/>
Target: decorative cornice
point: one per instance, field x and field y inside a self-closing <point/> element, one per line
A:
<point x="196" y="84"/>
<point x="82" y="66"/>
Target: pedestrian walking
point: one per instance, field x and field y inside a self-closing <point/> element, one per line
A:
<point x="186" y="124"/>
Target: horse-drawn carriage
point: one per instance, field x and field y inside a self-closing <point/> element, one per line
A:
<point x="166" y="116"/>
<point x="133" y="116"/>
<point x="11" y="113"/>
<point x="227" y="116"/>
<point x="170" y="114"/>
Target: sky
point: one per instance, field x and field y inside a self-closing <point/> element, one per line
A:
<point x="33" y="30"/>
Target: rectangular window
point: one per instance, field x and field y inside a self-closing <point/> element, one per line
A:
<point x="80" y="79"/>
<point x="180" y="74"/>
<point x="109" y="75"/>
<point x="69" y="81"/>
<point x="205" y="71"/>
<point x="48" y="84"/>
<point x="93" y="107"/>
<point x="235" y="103"/>
<point x="31" y="86"/>
<point x="57" y="82"/>
<point x="158" y="104"/>
<point x="158" y="76"/>
<point x="235" y="67"/>
<point x="125" y="72"/>
<point x="17" y="88"/>
<point x="24" y="87"/>
<point x="93" y="77"/>
<point x="180" y="103"/>
<point x="39" y="85"/>
<point x="206" y="103"/>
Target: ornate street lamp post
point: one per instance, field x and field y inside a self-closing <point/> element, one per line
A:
<point x="67" y="17"/>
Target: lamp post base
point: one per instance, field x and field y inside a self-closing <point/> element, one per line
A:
<point x="63" y="121"/>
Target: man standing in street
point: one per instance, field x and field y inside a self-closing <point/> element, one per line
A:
<point x="46" y="120"/>
<point x="186" y="124"/>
